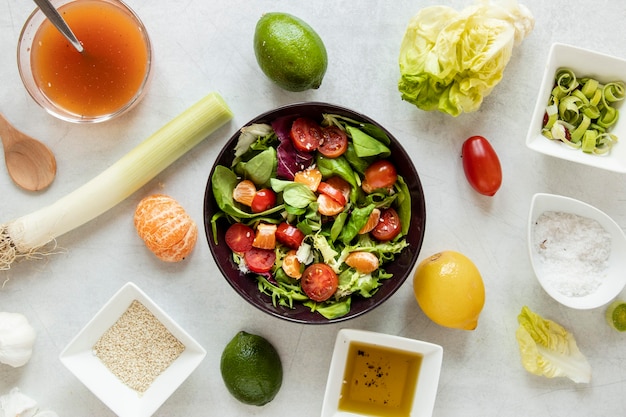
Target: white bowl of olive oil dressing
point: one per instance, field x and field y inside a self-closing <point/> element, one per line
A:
<point x="578" y="252"/>
<point x="380" y="375"/>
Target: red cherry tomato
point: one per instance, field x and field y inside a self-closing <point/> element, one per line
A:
<point x="239" y="237"/>
<point x="332" y="192"/>
<point x="481" y="165"/>
<point x="260" y="260"/>
<point x="319" y="282"/>
<point x="380" y="174"/>
<point x="388" y="226"/>
<point x="289" y="235"/>
<point x="263" y="199"/>
<point x="306" y="134"/>
<point x="340" y="184"/>
<point x="334" y="142"/>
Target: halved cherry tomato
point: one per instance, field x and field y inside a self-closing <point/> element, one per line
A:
<point x="291" y="265"/>
<point x="364" y="262"/>
<point x="332" y="192"/>
<point x="380" y="174"/>
<point x="265" y="236"/>
<point x="481" y="165"/>
<point x="260" y="260"/>
<point x="289" y="235"/>
<point x="388" y="226"/>
<point x="239" y="237"/>
<point x="310" y="177"/>
<point x="306" y="134"/>
<point x="340" y="184"/>
<point x="334" y="142"/>
<point x="319" y="282"/>
<point x="244" y="192"/>
<point x="328" y="206"/>
<point x="264" y="199"/>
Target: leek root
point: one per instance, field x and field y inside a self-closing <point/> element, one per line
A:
<point x="26" y="237"/>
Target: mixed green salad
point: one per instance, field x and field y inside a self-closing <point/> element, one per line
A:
<point x="315" y="210"/>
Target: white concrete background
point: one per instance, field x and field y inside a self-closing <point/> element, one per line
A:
<point x="202" y="46"/>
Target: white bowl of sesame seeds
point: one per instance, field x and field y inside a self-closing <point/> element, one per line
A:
<point x="578" y="252"/>
<point x="132" y="355"/>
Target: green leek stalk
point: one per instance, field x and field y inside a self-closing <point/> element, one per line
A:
<point x="26" y="236"/>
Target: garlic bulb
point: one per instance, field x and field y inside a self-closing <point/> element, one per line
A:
<point x="17" y="337"/>
<point x="16" y="404"/>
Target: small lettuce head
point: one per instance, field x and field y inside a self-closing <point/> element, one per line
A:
<point x="548" y="349"/>
<point x="450" y="60"/>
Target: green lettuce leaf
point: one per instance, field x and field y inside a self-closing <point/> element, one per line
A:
<point x="450" y="60"/>
<point x="548" y="349"/>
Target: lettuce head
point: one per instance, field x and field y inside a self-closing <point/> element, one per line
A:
<point x="450" y="60"/>
<point x="548" y="349"/>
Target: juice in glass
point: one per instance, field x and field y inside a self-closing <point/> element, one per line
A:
<point x="111" y="72"/>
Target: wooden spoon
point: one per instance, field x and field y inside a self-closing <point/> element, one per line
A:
<point x="30" y="163"/>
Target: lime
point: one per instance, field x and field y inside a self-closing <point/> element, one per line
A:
<point x="251" y="369"/>
<point x="616" y="315"/>
<point x="290" y="52"/>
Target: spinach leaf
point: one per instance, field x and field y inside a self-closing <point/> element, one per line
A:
<point x="345" y="122"/>
<point x="330" y="310"/>
<point x="340" y="166"/>
<point x="223" y="182"/>
<point x="337" y="227"/>
<point x="365" y="145"/>
<point x="298" y="195"/>
<point x="359" y="164"/>
<point x="260" y="168"/>
<point x="279" y="185"/>
<point x="403" y="204"/>
<point x="358" y="218"/>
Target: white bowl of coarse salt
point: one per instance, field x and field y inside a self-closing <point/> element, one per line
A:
<point x="578" y="252"/>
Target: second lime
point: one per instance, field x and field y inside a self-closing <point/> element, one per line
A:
<point x="251" y="369"/>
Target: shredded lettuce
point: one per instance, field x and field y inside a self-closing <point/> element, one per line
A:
<point x="450" y="60"/>
<point x="548" y="349"/>
<point x="250" y="134"/>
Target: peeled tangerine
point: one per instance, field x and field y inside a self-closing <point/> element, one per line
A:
<point x="450" y="290"/>
<point x="165" y="227"/>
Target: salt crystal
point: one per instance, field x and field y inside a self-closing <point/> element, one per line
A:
<point x="573" y="250"/>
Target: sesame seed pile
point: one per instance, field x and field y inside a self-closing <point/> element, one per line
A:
<point x="138" y="347"/>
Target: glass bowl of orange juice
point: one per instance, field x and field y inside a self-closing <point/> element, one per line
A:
<point x="106" y="80"/>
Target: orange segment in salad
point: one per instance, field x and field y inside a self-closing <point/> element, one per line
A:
<point x="371" y="223"/>
<point x="310" y="177"/>
<point x="364" y="262"/>
<point x="328" y="206"/>
<point x="291" y="265"/>
<point x="244" y="192"/>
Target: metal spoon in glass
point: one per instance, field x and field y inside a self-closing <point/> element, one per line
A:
<point x="53" y="15"/>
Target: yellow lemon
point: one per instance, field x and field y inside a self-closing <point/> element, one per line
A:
<point x="449" y="290"/>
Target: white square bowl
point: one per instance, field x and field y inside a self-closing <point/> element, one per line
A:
<point x="80" y="359"/>
<point x="427" y="377"/>
<point x="584" y="63"/>
<point x="615" y="278"/>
